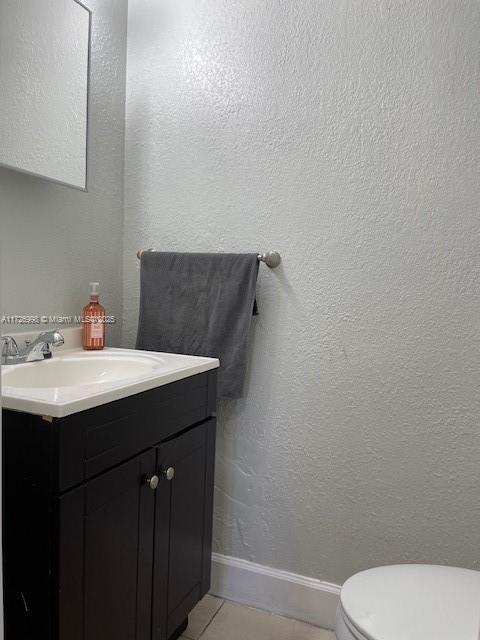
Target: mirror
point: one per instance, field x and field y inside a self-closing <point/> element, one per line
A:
<point x="44" y="75"/>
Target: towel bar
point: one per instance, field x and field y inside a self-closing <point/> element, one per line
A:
<point x="271" y="258"/>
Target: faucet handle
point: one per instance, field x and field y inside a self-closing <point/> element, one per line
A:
<point x="9" y="348"/>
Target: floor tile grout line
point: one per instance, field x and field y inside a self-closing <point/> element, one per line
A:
<point x="212" y="619"/>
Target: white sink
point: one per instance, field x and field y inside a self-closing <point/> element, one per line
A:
<point x="75" y="380"/>
<point x="79" y="370"/>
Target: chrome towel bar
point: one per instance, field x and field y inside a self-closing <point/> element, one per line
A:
<point x="271" y="258"/>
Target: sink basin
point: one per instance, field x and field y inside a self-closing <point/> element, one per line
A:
<point x="76" y="370"/>
<point x="75" y="380"/>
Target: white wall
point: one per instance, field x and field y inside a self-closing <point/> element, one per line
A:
<point x="55" y="240"/>
<point x="346" y="135"/>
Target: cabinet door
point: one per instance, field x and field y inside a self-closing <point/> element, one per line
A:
<point x="183" y="526"/>
<point x="119" y="521"/>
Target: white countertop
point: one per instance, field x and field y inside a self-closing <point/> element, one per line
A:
<point x="74" y="380"/>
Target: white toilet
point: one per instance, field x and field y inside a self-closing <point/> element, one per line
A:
<point x="410" y="602"/>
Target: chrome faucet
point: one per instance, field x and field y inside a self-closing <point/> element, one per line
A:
<point x="39" y="349"/>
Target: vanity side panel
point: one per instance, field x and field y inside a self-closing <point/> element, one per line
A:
<point x="30" y="527"/>
<point x="210" y="439"/>
<point x="209" y="483"/>
<point x="212" y="381"/>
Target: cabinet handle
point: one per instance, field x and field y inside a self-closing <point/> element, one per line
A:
<point x="151" y="482"/>
<point x="169" y="473"/>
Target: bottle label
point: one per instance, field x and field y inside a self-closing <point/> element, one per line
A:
<point x="96" y="330"/>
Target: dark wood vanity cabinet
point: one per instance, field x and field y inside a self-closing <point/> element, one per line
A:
<point x="108" y="516"/>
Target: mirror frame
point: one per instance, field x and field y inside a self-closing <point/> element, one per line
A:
<point x="87" y="107"/>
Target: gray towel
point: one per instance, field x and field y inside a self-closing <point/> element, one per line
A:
<point x="199" y="304"/>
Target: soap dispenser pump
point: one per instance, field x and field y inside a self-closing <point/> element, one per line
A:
<point x="93" y="320"/>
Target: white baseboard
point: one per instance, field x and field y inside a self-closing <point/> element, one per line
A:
<point x="274" y="590"/>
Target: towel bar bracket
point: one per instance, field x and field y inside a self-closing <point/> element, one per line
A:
<point x="271" y="258"/>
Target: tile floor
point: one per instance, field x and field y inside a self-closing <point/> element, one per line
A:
<point x="216" y="619"/>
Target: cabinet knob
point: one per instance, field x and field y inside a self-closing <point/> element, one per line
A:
<point x="169" y="473"/>
<point x="151" y="482"/>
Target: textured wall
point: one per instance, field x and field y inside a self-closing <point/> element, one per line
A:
<point x="346" y="135"/>
<point x="55" y="240"/>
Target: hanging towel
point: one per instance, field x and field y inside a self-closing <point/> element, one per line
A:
<point x="199" y="304"/>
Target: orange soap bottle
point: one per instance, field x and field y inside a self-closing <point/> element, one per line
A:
<point x="93" y="320"/>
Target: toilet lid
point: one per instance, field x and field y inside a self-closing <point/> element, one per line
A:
<point x="413" y="602"/>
